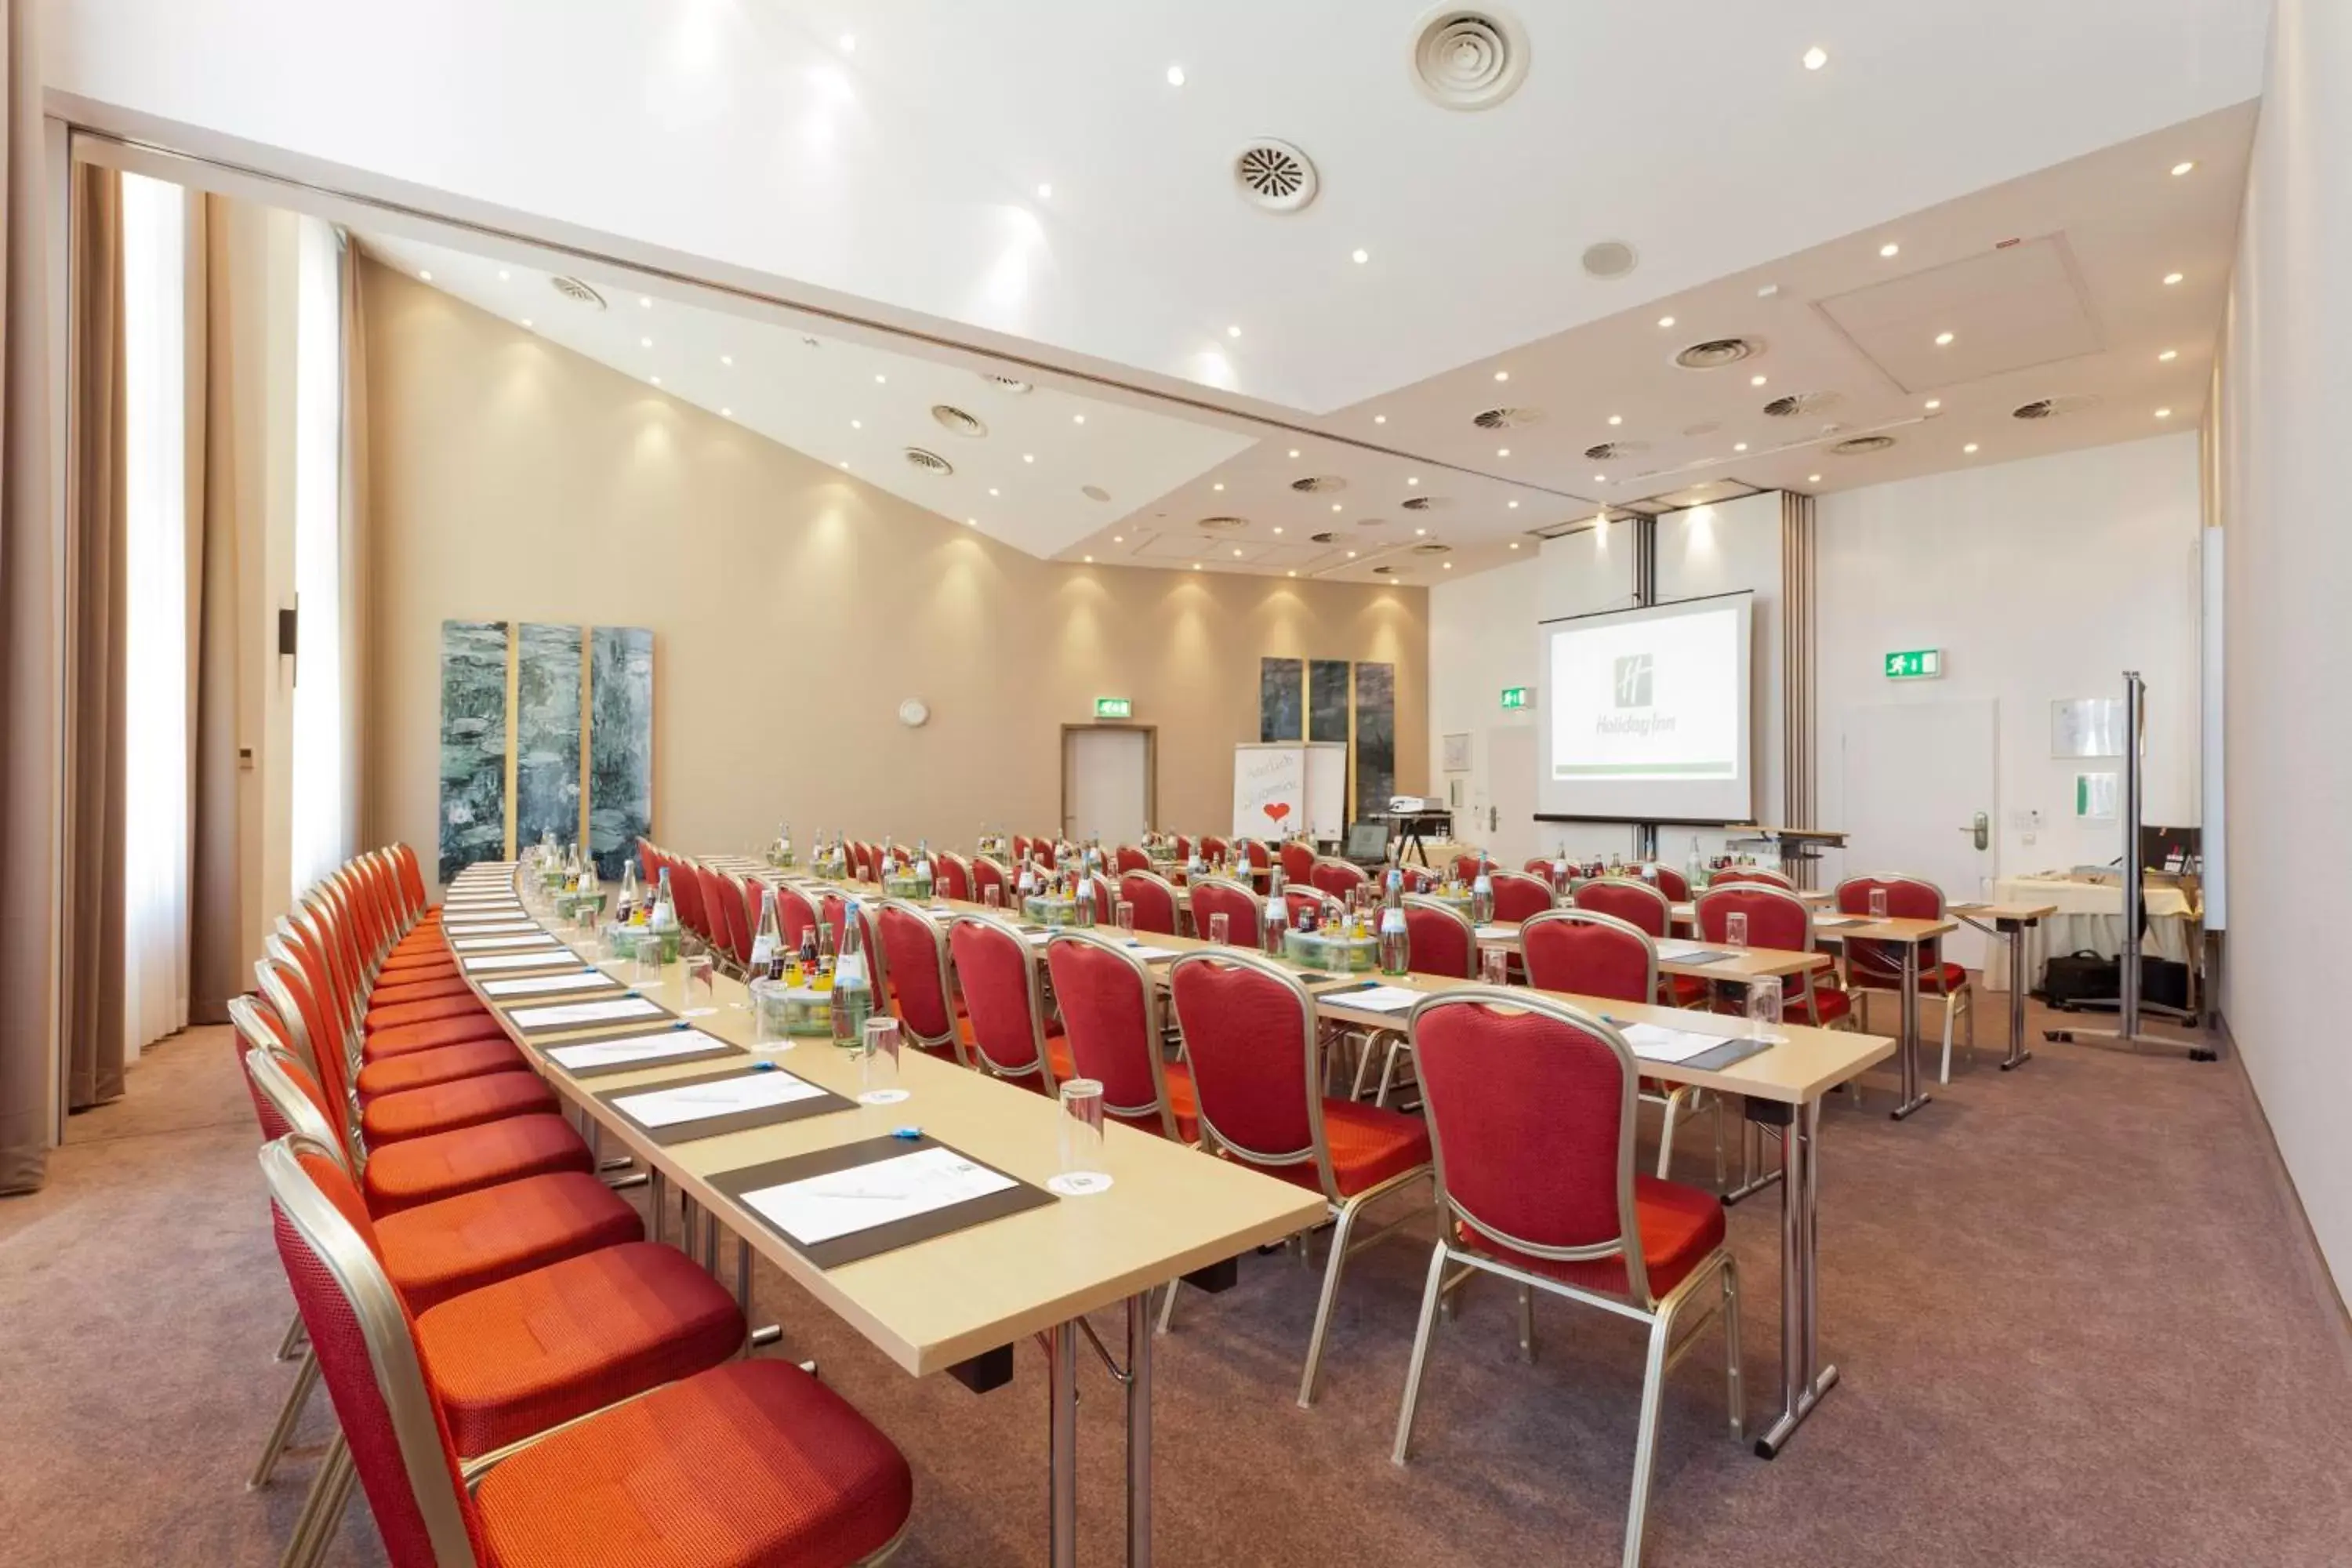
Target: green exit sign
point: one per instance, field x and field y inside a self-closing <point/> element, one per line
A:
<point x="1916" y="664"/>
<point x="1113" y="708"/>
<point x="1515" y="697"/>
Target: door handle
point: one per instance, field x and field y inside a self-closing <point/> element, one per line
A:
<point x="1980" y="830"/>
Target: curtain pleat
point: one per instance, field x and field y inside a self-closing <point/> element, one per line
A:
<point x="92" y="967"/>
<point x="29" y="714"/>
<point x="216" y="941"/>
<point x="353" y="555"/>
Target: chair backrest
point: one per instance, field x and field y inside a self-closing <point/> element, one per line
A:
<point x="1337" y="878"/>
<point x="1671" y="882"/>
<point x="1636" y="903"/>
<point x="1590" y="953"/>
<point x="1104" y="893"/>
<point x="915" y="957"/>
<point x="1298" y="858"/>
<point x="1440" y="938"/>
<point x="1530" y="1107"/>
<point x="1216" y="896"/>
<point x="1758" y="874"/>
<point x="1465" y="867"/>
<point x="1154" y="899"/>
<point x="1420" y="878"/>
<point x="1127" y="857"/>
<point x="988" y="873"/>
<point x="286" y="1097"/>
<point x="1249" y="1033"/>
<point x="1908" y="899"/>
<point x="1001" y="999"/>
<point x="1518" y="896"/>
<point x="1776" y="917"/>
<point x="1214" y="847"/>
<point x="1110" y="1015"/>
<point x="794" y="913"/>
<point x="685" y="895"/>
<point x="648" y="861"/>
<point x="951" y="878"/>
<point x="722" y="906"/>
<point x="280" y="979"/>
<point x="366" y="1346"/>
<point x="838" y="913"/>
<point x="1183" y="845"/>
<point x="1043" y="849"/>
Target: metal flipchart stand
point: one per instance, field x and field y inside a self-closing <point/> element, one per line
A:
<point x="2128" y="1005"/>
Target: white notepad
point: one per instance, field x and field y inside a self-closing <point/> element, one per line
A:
<point x="495" y="961"/>
<point x="493" y="943"/>
<point x="1654" y="1042"/>
<point x="488" y="927"/>
<point x="654" y="1046"/>
<point x="619" y="1010"/>
<point x="1492" y="932"/>
<point x="1691" y="953"/>
<point x="1377" y="998"/>
<point x="842" y="1203"/>
<point x="1833" y="921"/>
<point x="544" y="985"/>
<point x="701" y="1102"/>
<point x="1152" y="954"/>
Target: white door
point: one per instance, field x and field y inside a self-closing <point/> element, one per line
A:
<point x="1105" y="786"/>
<point x="1916" y="776"/>
<point x="1511" y="769"/>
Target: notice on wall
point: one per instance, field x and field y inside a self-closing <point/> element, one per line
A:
<point x="2095" y="796"/>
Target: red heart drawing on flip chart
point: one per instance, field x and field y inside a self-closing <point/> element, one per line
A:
<point x="1278" y="809"/>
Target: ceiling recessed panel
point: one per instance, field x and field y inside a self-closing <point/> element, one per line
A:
<point x="1985" y="315"/>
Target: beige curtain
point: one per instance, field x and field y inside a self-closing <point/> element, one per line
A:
<point x="28" y="624"/>
<point x="91" y="966"/>
<point x="217" y="942"/>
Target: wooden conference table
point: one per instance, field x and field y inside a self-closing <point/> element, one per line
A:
<point x="2014" y="921"/>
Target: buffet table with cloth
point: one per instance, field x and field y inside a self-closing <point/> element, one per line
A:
<point x="2090" y="918"/>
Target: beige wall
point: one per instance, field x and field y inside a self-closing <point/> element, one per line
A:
<point x="792" y="608"/>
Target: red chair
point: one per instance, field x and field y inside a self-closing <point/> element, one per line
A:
<point x="1301" y="896"/>
<point x="1297" y="859"/>
<point x="1762" y="875"/>
<point x="1650" y="910"/>
<point x="915" y="957"/>
<point x="1337" y="878"/>
<point x="837" y="911"/>
<point x="1043" y="849"/>
<point x="1671" y="882"/>
<point x="1420" y="880"/>
<point x="1878" y="965"/>
<point x="1005" y="1007"/>
<point x="685" y="895"/>
<point x="1530" y="1106"/>
<point x="986" y="874"/>
<point x="1110" y="1019"/>
<point x="781" y="1470"/>
<point x="1183" y="847"/>
<point x="1021" y="848"/>
<point x="951" y="878"/>
<point x="1257" y="1064"/>
<point x="1440" y="938"/>
<point x="1214" y="848"/>
<point x="1213" y="896"/>
<point x="1777" y="918"/>
<point x="795" y="913"/>
<point x="1519" y="897"/>
<point x="1105" y="894"/>
<point x="1465" y="867"/>
<point x="1154" y="899"/>
<point x="1127" y="857"/>
<point x="722" y="907"/>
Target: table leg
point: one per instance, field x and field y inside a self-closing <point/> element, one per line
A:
<point x="1909" y="1045"/>
<point x="1751" y="1182"/>
<point x="1804" y="1382"/>
<point x="1061" y="1447"/>
<point x="1138" y="1430"/>
<point x="2018" y="1055"/>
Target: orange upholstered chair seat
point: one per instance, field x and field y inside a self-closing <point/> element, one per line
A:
<point x="446" y="1108"/>
<point x="1680" y="1227"/>
<point x="1368" y="1145"/>
<point x="444" y="1249"/>
<point x="430" y="1036"/>
<point x="430" y="1069"/>
<point x="425" y="1170"/>
<point x="401" y="990"/>
<point x="401" y="1014"/>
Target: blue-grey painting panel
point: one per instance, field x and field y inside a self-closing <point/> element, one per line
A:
<point x="1375" y="737"/>
<point x="1326" y="699"/>
<point x="473" y="743"/>
<point x="1281" y="700"/>
<point x="546" y="733"/>
<point x="620" y="743"/>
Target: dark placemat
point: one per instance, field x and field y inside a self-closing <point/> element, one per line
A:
<point x="717" y="1050"/>
<point x="641" y="1021"/>
<point x="824" y="1104"/>
<point x="1724" y="1054"/>
<point x="880" y="1238"/>
<point x="554" y="965"/>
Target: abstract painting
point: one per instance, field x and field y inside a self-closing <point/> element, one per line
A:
<point x="546" y="733"/>
<point x="620" y="743"/>
<point x="1281" y="700"/>
<point x="1375" y="737"/>
<point x="1326" y="699"/>
<point x="473" y="742"/>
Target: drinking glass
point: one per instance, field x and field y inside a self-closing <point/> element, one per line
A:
<point x="649" y="957"/>
<point x="1735" y="929"/>
<point x="878" y="1063"/>
<point x="1878" y="903"/>
<point x="992" y="896"/>
<point x="1220" y="928"/>
<point x="767" y="1030"/>
<point x="1764" y="1000"/>
<point x="1081" y="1134"/>
<point x="1494" y="966"/>
<point x="702" y="974"/>
<point x="1122" y="914"/>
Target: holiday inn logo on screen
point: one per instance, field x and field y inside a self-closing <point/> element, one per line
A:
<point x="1634" y="681"/>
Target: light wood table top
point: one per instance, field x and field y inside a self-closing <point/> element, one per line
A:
<point x="1908" y="932"/>
<point x="2027" y="913"/>
<point x="1743" y="963"/>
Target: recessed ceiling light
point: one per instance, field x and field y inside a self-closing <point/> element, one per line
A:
<point x="1294" y="451"/>
<point x="1351" y="555"/>
<point x="646" y="302"/>
<point x="1218" y="486"/>
<point x="1502" y="375"/>
<point x="1943" y="340"/>
<point x="1515" y="544"/>
<point x="1294" y="574"/>
<point x="526" y="320"/>
<point x="1739" y="446"/>
<point x="2172" y="277"/>
<point x="727" y="414"/>
<point x="1196" y="566"/>
<point x="1232" y="331"/>
<point x="1360" y="255"/>
<point x="1077" y="419"/>
<point x="992" y="490"/>
<point x="1087" y="559"/>
<point x="1380" y="419"/>
<point x="1666" y="320"/>
<point x="504" y="275"/>
<point x="857" y="424"/>
<point x="1816" y="57"/>
<point x="426" y="277"/>
<point x="1413" y="479"/>
<point x="1447" y="565"/>
<point x="1502" y="451"/>
<point x="1420" y="532"/>
<point x="1768" y="290"/>
<point x="1513" y="505"/>
<point x="1616" y="419"/>
<point x="1277" y="528"/>
<point x="1028" y="457"/>
<point x="971" y="522"/>
<point x="849" y="42"/>
<point x="1969" y="448"/>
<point x="657" y="381"/>
<point x="1044" y="193"/>
<point x="2164" y="414"/>
<point x="1890" y="248"/>
<point x="2169" y="355"/>
<point x="1813" y="479"/>
<point x="2183" y="167"/>
<point x="844" y="462"/>
<point x="1600" y="479"/>
<point x="1934" y="403"/>
<point x="1335" y="506"/>
<point x="1237" y="555"/>
<point x="726" y="359"/>
<point x="881" y="381"/>
<point x="1755" y="381"/>
<point x="1175" y="75"/>
<point x="1118" y="539"/>
<point x="644" y="343"/>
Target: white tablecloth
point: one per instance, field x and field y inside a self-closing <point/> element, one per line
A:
<point x="2090" y="918"/>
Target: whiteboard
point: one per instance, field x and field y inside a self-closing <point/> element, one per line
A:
<point x="1283" y="789"/>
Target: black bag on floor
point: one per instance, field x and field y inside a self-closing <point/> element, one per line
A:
<point x="2079" y="977"/>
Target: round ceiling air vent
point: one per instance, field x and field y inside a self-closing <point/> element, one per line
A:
<point x="1094" y="492"/>
<point x="1421" y="503"/>
<point x="1223" y="524"/>
<point x="1505" y="418"/>
<point x="1610" y="451"/>
<point x="1275" y="176"/>
<point x="579" y="294"/>
<point x="1327" y="537"/>
<point x="951" y="417"/>
<point x="1802" y="403"/>
<point x="1469" y="60"/>
<point x="1609" y="258"/>
<point x="1860" y="444"/>
<point x="1717" y="353"/>
<point x="928" y="462"/>
<point x="1432" y="548"/>
<point x="2053" y="407"/>
<point x="1319" y="484"/>
<point x="1012" y="384"/>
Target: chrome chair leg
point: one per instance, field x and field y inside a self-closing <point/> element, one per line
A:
<point x="282" y="1431"/>
<point x="1332" y="1269"/>
<point x="1167" y="1305"/>
<point x="1526" y="1324"/>
<point x="1421" y="1334"/>
<point x="322" y="1511"/>
<point x="296" y="1339"/>
<point x="1734" y="1390"/>
<point x="1645" y="1438"/>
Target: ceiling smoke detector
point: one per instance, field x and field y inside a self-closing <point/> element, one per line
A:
<point x="1859" y="446"/>
<point x="1802" y="403"/>
<point x="1610" y="451"/>
<point x="1505" y="418"/>
<point x="951" y="417"/>
<point x="2053" y="407"/>
<point x="1094" y="492"/>
<point x="928" y="462"/>
<point x="1717" y="353"/>
<point x="1319" y="484"/>
<point x="1222" y="524"/>
<point x="1012" y="384"/>
<point x="1275" y="176"/>
<point x="1469" y="60"/>
<point x="1609" y="258"/>
<point x="579" y="294"/>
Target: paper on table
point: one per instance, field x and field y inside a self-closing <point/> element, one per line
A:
<point x="701" y="1102"/>
<point x="1378" y="998"/>
<point x="1691" y="953"/>
<point x="619" y="1010"/>
<point x="488" y="927"/>
<point x="1833" y="921"/>
<point x="1659" y="1044"/>
<point x="1037" y="938"/>
<point x="1152" y="954"/>
<point x="1491" y="932"/>
<point x="541" y="984"/>
<point x="539" y="960"/>
<point x="841" y="1202"/>
<point x="647" y="1047"/>
<point x="492" y="944"/>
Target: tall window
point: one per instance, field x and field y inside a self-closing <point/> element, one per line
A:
<point x="322" y="818"/>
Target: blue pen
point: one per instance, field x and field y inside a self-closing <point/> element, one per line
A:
<point x="763" y="1067"/>
<point x="908" y="1133"/>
